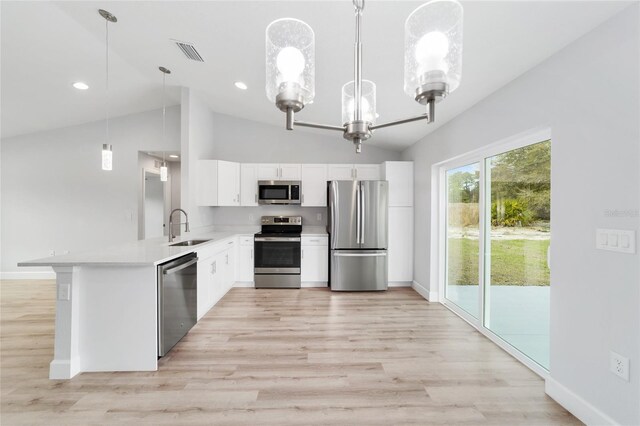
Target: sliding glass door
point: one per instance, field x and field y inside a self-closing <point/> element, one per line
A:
<point x="462" y="244"/>
<point x="496" y="236"/>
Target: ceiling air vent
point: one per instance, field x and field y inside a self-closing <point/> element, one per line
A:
<point x="189" y="51"/>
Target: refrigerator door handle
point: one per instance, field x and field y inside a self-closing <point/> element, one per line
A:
<point x="358" y="213"/>
<point x="360" y="254"/>
<point x="362" y="213"/>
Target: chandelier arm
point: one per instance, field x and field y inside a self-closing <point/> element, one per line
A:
<point x="318" y="126"/>
<point x="402" y="121"/>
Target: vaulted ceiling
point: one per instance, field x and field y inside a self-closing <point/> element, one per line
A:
<point x="46" y="46"/>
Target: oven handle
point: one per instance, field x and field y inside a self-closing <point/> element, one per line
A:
<point x="359" y="254"/>
<point x="278" y="239"/>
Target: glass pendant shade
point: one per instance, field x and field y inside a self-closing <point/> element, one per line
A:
<point x="107" y="157"/>
<point x="290" y="61"/>
<point x="164" y="172"/>
<point x="433" y="46"/>
<point x="367" y="106"/>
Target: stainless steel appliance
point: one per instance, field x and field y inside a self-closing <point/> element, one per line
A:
<point x="277" y="252"/>
<point x="279" y="191"/>
<point x="357" y="226"/>
<point x="177" y="300"/>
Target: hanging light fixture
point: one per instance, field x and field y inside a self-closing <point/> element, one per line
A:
<point x="107" y="149"/>
<point x="432" y="68"/>
<point x="164" y="172"/>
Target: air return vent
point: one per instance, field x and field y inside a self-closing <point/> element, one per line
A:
<point x="189" y="51"/>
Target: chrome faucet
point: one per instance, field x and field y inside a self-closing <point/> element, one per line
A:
<point x="186" y="223"/>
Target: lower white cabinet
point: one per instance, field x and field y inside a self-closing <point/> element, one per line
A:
<point x="400" y="249"/>
<point x="314" y="259"/>
<point x="245" y="259"/>
<point x="216" y="274"/>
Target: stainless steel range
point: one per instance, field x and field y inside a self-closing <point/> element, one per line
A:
<point x="277" y="252"/>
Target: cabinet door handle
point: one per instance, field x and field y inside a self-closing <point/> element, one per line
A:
<point x="355" y="171"/>
<point x="213" y="267"/>
<point x="226" y="260"/>
<point x="255" y="198"/>
<point x="302" y="253"/>
<point x="251" y="254"/>
<point x="303" y="198"/>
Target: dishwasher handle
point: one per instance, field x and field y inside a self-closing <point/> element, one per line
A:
<point x="180" y="267"/>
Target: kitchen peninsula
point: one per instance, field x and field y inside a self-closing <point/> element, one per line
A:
<point x="106" y="304"/>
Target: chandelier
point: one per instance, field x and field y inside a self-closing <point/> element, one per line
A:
<point x="432" y="68"/>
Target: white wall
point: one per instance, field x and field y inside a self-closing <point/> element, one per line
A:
<point x="55" y="196"/>
<point x="218" y="136"/>
<point x="588" y="94"/>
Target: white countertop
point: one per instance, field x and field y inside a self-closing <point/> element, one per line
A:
<point x="138" y="253"/>
<point x="156" y="250"/>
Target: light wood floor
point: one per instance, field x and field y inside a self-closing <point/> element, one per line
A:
<point x="280" y="357"/>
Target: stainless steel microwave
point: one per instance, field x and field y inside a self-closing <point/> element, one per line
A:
<point x="279" y="191"/>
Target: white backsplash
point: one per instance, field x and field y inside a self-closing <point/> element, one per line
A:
<point x="252" y="215"/>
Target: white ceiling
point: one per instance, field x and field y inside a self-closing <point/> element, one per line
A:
<point x="46" y="46"/>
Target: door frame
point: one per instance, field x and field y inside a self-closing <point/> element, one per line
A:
<point x="439" y="196"/>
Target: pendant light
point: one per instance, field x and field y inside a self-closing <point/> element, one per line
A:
<point x="164" y="172"/>
<point x="432" y="68"/>
<point x="107" y="149"/>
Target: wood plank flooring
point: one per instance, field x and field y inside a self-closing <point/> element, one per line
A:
<point x="279" y="357"/>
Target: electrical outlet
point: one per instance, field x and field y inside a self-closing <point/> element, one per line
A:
<point x="619" y="365"/>
<point x="319" y="217"/>
<point x="52" y="252"/>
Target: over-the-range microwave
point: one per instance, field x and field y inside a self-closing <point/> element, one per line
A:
<point x="279" y="192"/>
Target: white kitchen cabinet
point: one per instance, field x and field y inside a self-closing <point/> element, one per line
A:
<point x="245" y="262"/>
<point x="340" y="172"/>
<point x="399" y="174"/>
<point x="400" y="250"/>
<point x="367" y="171"/>
<point x="314" y="259"/>
<point x="205" y="273"/>
<point x="248" y="184"/>
<point x="218" y="183"/>
<point x="279" y="171"/>
<point x="314" y="185"/>
<point x="290" y="171"/>
<point x="216" y="274"/>
<point x="353" y="172"/>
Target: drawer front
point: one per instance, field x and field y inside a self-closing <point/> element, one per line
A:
<point x="314" y="241"/>
<point x="246" y="240"/>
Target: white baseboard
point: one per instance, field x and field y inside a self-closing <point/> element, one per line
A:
<point x="244" y="284"/>
<point x="577" y="406"/>
<point x="431" y="296"/>
<point x="315" y="284"/>
<point x="28" y="275"/>
<point x="400" y="284"/>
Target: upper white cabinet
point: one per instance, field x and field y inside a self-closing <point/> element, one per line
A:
<point x="399" y="174"/>
<point x="367" y="171"/>
<point x="248" y="184"/>
<point x="314" y="185"/>
<point x="353" y="172"/>
<point x="279" y="171"/>
<point x="218" y="183"/>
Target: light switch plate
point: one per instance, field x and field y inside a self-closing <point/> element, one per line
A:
<point x="620" y="240"/>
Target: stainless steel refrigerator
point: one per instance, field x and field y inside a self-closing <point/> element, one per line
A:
<point x="357" y="223"/>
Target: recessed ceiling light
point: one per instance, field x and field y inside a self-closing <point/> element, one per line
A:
<point x="173" y="156"/>
<point x="240" y="85"/>
<point x="80" y="85"/>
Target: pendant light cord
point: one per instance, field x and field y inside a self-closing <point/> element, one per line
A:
<point x="106" y="22"/>
<point x="164" y="114"/>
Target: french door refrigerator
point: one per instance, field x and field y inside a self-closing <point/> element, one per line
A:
<point x="357" y="222"/>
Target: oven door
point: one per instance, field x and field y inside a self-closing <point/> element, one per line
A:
<point x="277" y="255"/>
<point x="270" y="192"/>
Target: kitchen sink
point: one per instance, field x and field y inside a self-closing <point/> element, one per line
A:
<point x="189" y="243"/>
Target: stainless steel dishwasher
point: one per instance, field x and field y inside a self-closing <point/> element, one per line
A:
<point x="177" y="300"/>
